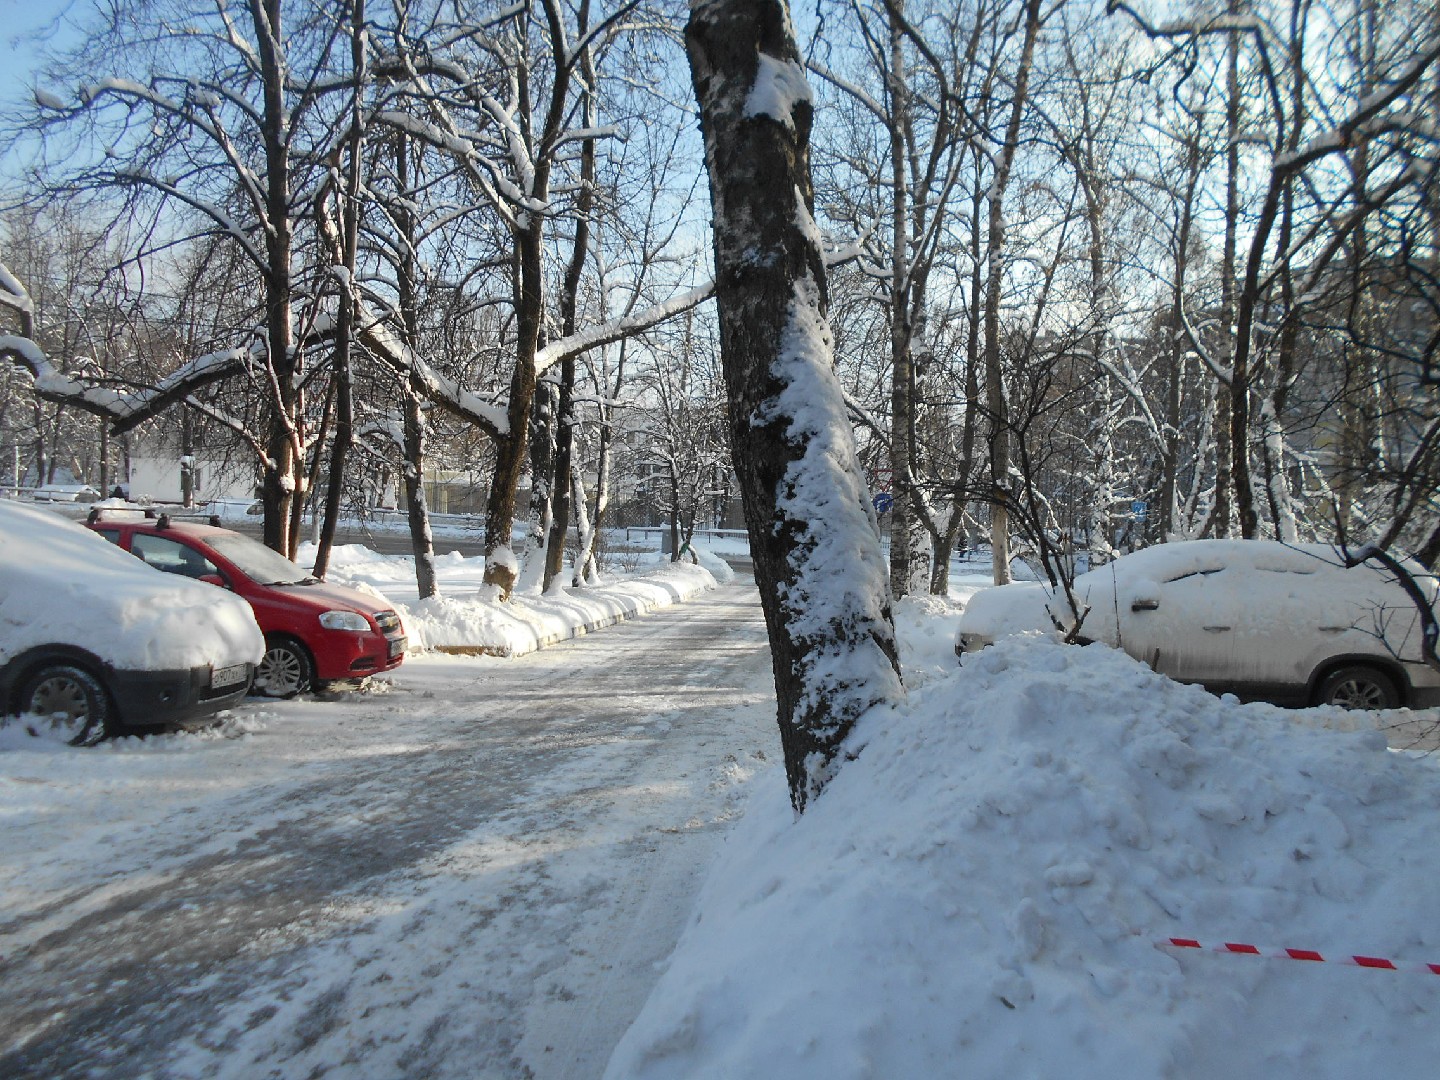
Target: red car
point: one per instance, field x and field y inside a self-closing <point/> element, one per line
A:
<point x="314" y="632"/>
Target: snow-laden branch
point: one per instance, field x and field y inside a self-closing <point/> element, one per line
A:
<point x="386" y="426"/>
<point x="126" y="405"/>
<point x="1369" y="112"/>
<point x="441" y="389"/>
<point x="426" y="132"/>
<point x="616" y="329"/>
<point x="862" y="415"/>
<point x="1130" y="382"/>
<point x="859" y="93"/>
<point x="227" y="224"/>
<point x="237" y="426"/>
<point x="1419" y="174"/>
<point x="13" y="294"/>
<point x="499" y="191"/>
<point x="132" y="92"/>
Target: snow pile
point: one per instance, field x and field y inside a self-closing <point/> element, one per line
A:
<point x="468" y="616"/>
<point x="925" y="632"/>
<point x="718" y="567"/>
<point x="981" y="891"/>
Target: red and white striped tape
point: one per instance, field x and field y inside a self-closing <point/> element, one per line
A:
<point x="1351" y="959"/>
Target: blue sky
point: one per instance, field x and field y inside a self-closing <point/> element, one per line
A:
<point x="23" y="24"/>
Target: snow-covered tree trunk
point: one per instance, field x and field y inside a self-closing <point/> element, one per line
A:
<point x="818" y="561"/>
<point x="586" y="570"/>
<point x="1000" y="434"/>
<point x="1282" y="506"/>
<point x="902" y="368"/>
<point x="944" y="548"/>
<point x="1222" y="519"/>
<point x="921" y="542"/>
<point x="417" y="510"/>
<point x="341" y="372"/>
<point x="1102" y="485"/>
<point x="282" y="471"/>
<point x="561" y="501"/>
<point x="1185" y="199"/>
<point x="502" y="567"/>
<point x="539" y="515"/>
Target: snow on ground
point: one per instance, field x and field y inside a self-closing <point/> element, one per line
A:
<point x="473" y="868"/>
<point x="468" y="615"/>
<point x="981" y="892"/>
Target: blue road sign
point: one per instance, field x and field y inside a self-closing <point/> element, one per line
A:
<point x="883" y="501"/>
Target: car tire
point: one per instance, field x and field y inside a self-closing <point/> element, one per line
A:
<point x="285" y="670"/>
<point x="1358" y="686"/>
<point x="71" y="700"/>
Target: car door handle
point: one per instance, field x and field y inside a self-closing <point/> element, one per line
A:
<point x="1216" y="629"/>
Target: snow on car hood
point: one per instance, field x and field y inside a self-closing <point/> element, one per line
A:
<point x="328" y="596"/>
<point x="60" y="583"/>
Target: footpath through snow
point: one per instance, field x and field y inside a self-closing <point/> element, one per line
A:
<point x="980" y="894"/>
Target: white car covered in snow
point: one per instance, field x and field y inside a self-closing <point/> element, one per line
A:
<point x="1263" y="620"/>
<point x="94" y="641"/>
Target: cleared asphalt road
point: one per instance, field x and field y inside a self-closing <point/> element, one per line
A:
<point x="540" y="824"/>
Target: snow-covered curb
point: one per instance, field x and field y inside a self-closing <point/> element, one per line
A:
<point x="468" y="618"/>
<point x="479" y="625"/>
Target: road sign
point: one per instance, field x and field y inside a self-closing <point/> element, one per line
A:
<point x="883" y="501"/>
<point x="1138" y="509"/>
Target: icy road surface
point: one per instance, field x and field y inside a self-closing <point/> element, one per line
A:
<point x="475" y="874"/>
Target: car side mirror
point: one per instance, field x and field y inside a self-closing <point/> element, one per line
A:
<point x="213" y="579"/>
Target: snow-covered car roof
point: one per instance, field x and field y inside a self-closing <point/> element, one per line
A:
<point x="1165" y="562"/>
<point x="1175" y="561"/>
<point x="60" y="583"/>
<point x="1010" y="609"/>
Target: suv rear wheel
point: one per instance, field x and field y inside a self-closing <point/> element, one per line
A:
<point x="1358" y="686"/>
<point x="286" y="669"/>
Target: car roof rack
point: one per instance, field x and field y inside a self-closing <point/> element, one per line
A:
<point x="162" y="518"/>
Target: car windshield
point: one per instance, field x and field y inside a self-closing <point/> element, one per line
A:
<point x="258" y="562"/>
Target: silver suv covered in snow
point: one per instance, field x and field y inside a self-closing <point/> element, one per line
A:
<point x="1261" y="619"/>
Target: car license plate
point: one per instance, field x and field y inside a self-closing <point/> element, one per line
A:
<point x="397" y="646"/>
<point x="229" y="676"/>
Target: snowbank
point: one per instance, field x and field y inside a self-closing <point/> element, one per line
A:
<point x="467" y="617"/>
<point x="980" y="893"/>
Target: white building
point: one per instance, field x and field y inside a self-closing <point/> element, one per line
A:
<point x="158" y="478"/>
